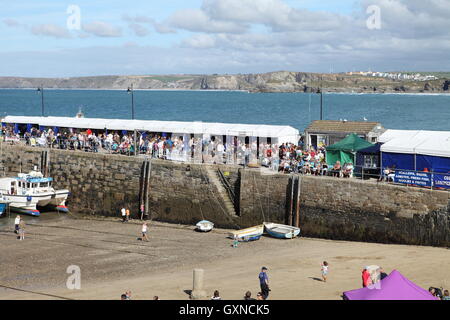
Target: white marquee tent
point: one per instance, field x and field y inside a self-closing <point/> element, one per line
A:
<point x="432" y="143"/>
<point x="282" y="133"/>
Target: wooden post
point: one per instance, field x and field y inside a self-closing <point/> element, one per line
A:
<point x="291" y="207"/>
<point x="297" y="209"/>
<point x="147" y="189"/>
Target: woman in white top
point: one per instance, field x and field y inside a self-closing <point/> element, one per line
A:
<point x="144" y="231"/>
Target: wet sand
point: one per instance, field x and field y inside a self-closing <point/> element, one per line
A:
<point x="113" y="260"/>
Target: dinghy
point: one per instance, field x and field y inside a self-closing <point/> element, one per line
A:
<point x="249" y="234"/>
<point x="281" y="231"/>
<point x="204" y="226"/>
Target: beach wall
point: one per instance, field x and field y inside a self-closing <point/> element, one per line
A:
<point x="343" y="209"/>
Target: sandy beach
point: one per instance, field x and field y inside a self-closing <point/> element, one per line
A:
<point x="113" y="260"/>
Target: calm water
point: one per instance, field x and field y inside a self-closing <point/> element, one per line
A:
<point x="423" y="112"/>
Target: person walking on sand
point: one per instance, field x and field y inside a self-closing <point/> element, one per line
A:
<point x="124" y="214"/>
<point x="366" y="281"/>
<point x="128" y="214"/>
<point x="16" y="224"/>
<point x="144" y="231"/>
<point x="324" y="271"/>
<point x="264" y="283"/>
<point x="22" y="230"/>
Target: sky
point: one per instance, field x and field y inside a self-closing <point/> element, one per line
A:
<point x="59" y="38"/>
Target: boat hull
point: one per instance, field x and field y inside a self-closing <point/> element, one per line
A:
<point x="204" y="226"/>
<point x="28" y="204"/>
<point x="280" y="231"/>
<point x="249" y="234"/>
<point x="3" y="206"/>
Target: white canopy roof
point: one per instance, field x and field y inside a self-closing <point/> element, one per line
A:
<point x="390" y="134"/>
<point x="269" y="131"/>
<point x="432" y="143"/>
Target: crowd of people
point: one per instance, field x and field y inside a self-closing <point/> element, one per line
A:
<point x="285" y="158"/>
<point x="295" y="159"/>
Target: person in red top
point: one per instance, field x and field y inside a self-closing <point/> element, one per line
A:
<point x="89" y="132"/>
<point x="366" y="278"/>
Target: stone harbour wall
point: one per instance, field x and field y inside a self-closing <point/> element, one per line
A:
<point x="344" y="209"/>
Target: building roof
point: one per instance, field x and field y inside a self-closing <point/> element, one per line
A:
<point x="332" y="126"/>
<point x="254" y="130"/>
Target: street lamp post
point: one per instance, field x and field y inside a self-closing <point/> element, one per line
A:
<point x="131" y="90"/>
<point x="320" y="91"/>
<point x="41" y="90"/>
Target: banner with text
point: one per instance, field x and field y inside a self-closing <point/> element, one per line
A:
<point x="422" y="179"/>
<point x="441" y="181"/>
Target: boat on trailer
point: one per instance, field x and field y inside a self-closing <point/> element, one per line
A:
<point x="28" y="191"/>
<point x="204" y="226"/>
<point x="281" y="231"/>
<point x="249" y="234"/>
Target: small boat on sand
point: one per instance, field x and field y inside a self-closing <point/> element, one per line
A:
<point x="249" y="234"/>
<point x="281" y="231"/>
<point x="204" y="226"/>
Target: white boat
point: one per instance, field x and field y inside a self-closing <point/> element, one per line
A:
<point x="249" y="234"/>
<point x="281" y="231"/>
<point x="26" y="192"/>
<point x="204" y="226"/>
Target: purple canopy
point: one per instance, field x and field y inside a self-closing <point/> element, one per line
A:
<point x="393" y="287"/>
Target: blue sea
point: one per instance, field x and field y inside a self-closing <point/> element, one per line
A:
<point x="394" y="111"/>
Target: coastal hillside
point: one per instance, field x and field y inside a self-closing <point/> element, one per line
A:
<point x="282" y="81"/>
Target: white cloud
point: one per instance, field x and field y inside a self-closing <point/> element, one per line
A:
<point x="138" y="29"/>
<point x="102" y="29"/>
<point x="162" y="28"/>
<point x="200" y="41"/>
<point x="50" y="30"/>
<point x="198" y="21"/>
<point x="11" y="22"/>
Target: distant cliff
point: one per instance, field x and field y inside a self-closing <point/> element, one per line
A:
<point x="282" y="81"/>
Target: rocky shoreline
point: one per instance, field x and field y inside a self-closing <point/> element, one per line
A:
<point x="282" y="81"/>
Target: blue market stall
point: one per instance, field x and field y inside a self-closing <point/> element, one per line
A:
<point x="421" y="158"/>
<point x="368" y="162"/>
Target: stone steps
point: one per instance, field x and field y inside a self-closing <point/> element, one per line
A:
<point x="221" y="191"/>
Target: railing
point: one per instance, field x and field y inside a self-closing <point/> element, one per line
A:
<point x="227" y="185"/>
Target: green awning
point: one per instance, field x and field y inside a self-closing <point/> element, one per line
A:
<point x="345" y="150"/>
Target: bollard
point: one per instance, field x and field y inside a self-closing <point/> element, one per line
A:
<point x="197" y="289"/>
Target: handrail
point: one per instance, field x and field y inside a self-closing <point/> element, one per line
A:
<point x="227" y="186"/>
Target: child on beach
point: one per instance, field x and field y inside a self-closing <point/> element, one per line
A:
<point x="324" y="271"/>
<point x="235" y="242"/>
<point x="22" y="230"/>
<point x="144" y="231"/>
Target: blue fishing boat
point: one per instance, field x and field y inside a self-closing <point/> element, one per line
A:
<point x="281" y="231"/>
